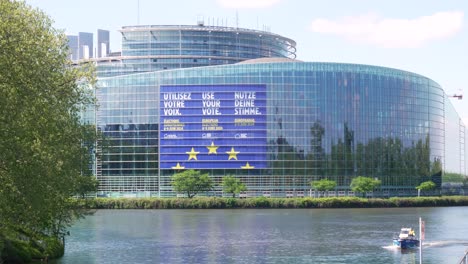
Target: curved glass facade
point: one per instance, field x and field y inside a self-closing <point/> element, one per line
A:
<point x="276" y="126"/>
<point x="152" y="48"/>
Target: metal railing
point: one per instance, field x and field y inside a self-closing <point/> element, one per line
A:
<point x="464" y="259"/>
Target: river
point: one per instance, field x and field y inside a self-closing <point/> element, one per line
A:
<point x="265" y="236"/>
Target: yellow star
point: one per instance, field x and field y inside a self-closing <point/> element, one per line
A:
<point x="247" y="166"/>
<point x="212" y="148"/>
<point x="232" y="154"/>
<point x="192" y="154"/>
<point x="178" y="167"/>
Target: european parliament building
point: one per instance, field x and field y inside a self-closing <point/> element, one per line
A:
<point x="232" y="101"/>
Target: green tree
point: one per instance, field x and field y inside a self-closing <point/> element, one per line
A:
<point x="323" y="185"/>
<point x="233" y="185"/>
<point x="426" y="186"/>
<point x="191" y="182"/>
<point x="42" y="141"/>
<point x="86" y="185"/>
<point x="364" y="184"/>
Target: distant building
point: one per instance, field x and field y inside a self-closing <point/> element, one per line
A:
<point x="82" y="46"/>
<point x="85" y="45"/>
<point x="73" y="47"/>
<point x="103" y="48"/>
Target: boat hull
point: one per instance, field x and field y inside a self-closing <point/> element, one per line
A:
<point x="406" y="243"/>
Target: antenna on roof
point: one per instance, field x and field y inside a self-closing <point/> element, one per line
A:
<point x="200" y="21"/>
<point x="237" y="19"/>
<point x="138" y="12"/>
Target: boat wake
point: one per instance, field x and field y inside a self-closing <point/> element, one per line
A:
<point x="396" y="249"/>
<point x="445" y="243"/>
<point x="434" y="244"/>
<point x="391" y="247"/>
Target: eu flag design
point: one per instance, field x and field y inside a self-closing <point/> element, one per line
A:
<point x="192" y="154"/>
<point x="213" y="127"/>
<point x="212" y="149"/>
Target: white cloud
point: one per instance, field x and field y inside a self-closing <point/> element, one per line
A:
<point x="247" y="3"/>
<point x="390" y="32"/>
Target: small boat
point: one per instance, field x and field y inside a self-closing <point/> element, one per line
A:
<point x="406" y="239"/>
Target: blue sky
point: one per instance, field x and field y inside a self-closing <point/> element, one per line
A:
<point x="428" y="37"/>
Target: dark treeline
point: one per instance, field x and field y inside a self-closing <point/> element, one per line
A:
<point x="385" y="158"/>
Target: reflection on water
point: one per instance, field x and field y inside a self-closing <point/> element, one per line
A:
<point x="264" y="236"/>
<point x="446" y="243"/>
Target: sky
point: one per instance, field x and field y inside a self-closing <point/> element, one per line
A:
<point x="427" y="37"/>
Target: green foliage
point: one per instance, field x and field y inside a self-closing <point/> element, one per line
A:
<point x="16" y="251"/>
<point x="54" y="248"/>
<point x="86" y="184"/>
<point x="44" y="147"/>
<point x="264" y="202"/>
<point x="426" y="186"/>
<point x="191" y="182"/>
<point x="324" y="185"/>
<point x="364" y="184"/>
<point x="453" y="177"/>
<point x="24" y="246"/>
<point x="233" y="185"/>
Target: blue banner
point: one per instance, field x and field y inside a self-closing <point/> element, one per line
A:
<point x="213" y="127"/>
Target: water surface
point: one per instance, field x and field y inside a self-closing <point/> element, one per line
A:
<point x="265" y="236"/>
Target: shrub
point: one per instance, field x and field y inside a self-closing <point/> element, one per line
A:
<point x="54" y="247"/>
<point x="264" y="202"/>
<point x="231" y="203"/>
<point x="16" y="251"/>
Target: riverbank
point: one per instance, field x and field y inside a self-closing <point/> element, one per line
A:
<point x="263" y="202"/>
<point x="21" y="246"/>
